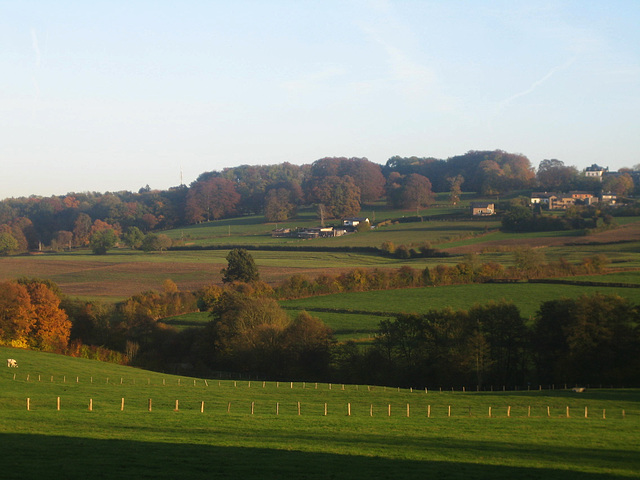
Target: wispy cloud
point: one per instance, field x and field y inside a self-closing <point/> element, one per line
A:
<point x="535" y="85"/>
<point x="36" y="47"/>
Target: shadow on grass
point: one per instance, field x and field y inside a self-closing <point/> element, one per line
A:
<point x="37" y="456"/>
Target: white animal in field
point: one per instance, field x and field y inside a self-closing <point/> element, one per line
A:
<point x="578" y="389"/>
<point x="11" y="362"/>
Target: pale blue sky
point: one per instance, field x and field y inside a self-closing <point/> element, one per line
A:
<point x="114" y="95"/>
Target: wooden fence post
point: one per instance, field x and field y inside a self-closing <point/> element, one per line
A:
<point x="348" y="409"/>
<point x="298" y="408"/>
<point x="449" y="414"/>
<point x="567" y="411"/>
<point x="529" y="411"/>
<point x="489" y="412"/>
<point x="325" y="409"/>
<point x="604" y="413"/>
<point x="586" y="412"/>
<point x="150" y="405"/>
<point x="278" y="408"/>
<point x="389" y="410"/>
<point x="122" y="404"/>
<point x="252" y="407"/>
<point x="202" y="407"/>
<point x="428" y="411"/>
<point x="548" y="411"/>
<point x="408" y="412"/>
<point x="91" y="404"/>
<point x="509" y="411"/>
<point x="58" y="404"/>
<point x="371" y="410"/>
<point x="28" y="404"/>
<point x="229" y="407"/>
<point x="176" y="409"/>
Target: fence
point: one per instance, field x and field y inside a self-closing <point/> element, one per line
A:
<point x="346" y="409"/>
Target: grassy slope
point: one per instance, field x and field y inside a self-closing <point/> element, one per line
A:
<point x="359" y="326"/>
<point x="526" y="296"/>
<point x="168" y="444"/>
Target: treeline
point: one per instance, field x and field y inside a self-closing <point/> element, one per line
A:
<point x="520" y="218"/>
<point x="335" y="186"/>
<point x="528" y="263"/>
<point x="591" y="340"/>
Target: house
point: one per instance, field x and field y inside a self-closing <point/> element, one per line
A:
<point x="608" y="198"/>
<point x="543" y="199"/>
<point x="482" y="209"/>
<point x="595" y="171"/>
<point x="562" y="202"/>
<point x="354" y="221"/>
<point x="585" y="198"/>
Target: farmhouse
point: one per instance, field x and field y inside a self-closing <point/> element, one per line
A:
<point x="354" y="221"/>
<point x="307" y="233"/>
<point x="595" y="171"/>
<point x="608" y="198"/>
<point x="482" y="209"/>
<point x="543" y="199"/>
<point x="585" y="197"/>
<point x="562" y="202"/>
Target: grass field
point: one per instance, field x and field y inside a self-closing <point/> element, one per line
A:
<point x="526" y="296"/>
<point x="227" y="439"/>
<point x="359" y="326"/>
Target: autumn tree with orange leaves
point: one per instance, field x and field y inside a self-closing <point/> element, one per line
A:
<point x="30" y="315"/>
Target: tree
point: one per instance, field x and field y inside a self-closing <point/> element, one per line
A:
<point x="621" y="184"/>
<point x="133" y="237"/>
<point x="211" y="199"/>
<point x="62" y="239"/>
<point x="553" y="175"/>
<point x="279" y="205"/>
<point x="155" y="242"/>
<point x="102" y="241"/>
<point x="414" y="191"/>
<point x="8" y="243"/>
<point x="82" y="229"/>
<point x="52" y="327"/>
<point x="16" y="313"/>
<point x="241" y="267"/>
<point x="455" y="188"/>
<point x="339" y="195"/>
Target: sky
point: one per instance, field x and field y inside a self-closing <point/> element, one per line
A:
<point x="116" y="95"/>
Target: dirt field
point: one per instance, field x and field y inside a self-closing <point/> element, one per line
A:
<point x="116" y="277"/>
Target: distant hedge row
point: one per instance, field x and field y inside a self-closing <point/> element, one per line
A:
<point x="308" y="248"/>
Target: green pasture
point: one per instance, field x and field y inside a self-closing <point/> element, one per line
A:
<point x="526" y="296"/>
<point x="347" y="315"/>
<point x="251" y="429"/>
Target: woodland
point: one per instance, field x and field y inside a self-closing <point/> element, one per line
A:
<point x="337" y="187"/>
